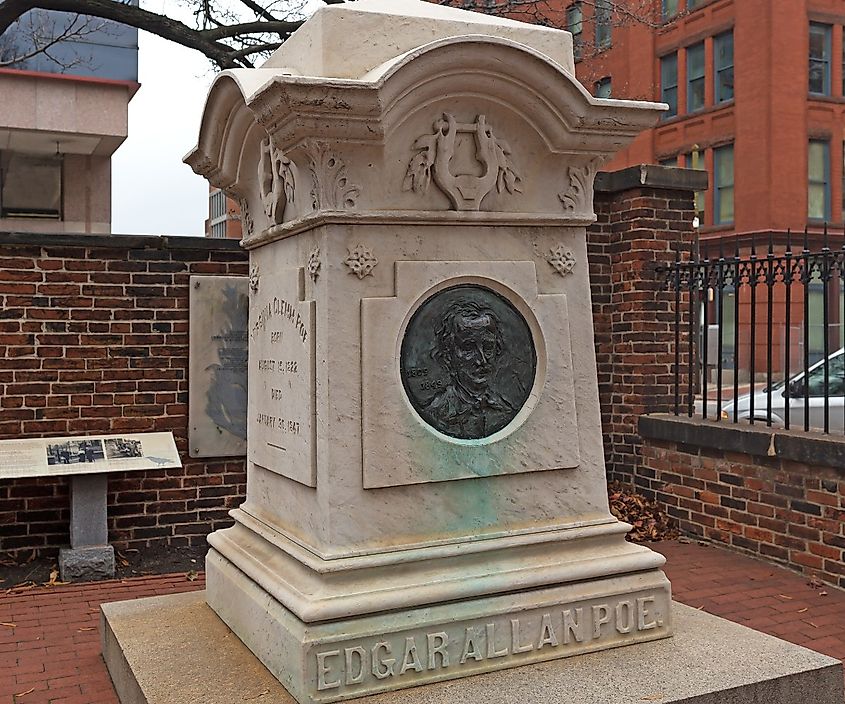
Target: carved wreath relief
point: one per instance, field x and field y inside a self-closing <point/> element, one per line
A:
<point x="331" y="188"/>
<point x="465" y="190"/>
<point x="276" y="181"/>
<point x="467" y="361"/>
<point x="361" y="261"/>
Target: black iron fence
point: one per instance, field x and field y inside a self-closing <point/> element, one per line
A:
<point x="759" y="331"/>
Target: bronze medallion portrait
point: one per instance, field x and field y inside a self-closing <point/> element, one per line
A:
<point x="467" y="361"/>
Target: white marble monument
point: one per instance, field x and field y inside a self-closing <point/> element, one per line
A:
<point x="426" y="492"/>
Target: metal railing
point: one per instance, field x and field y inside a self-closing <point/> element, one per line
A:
<point x="741" y="319"/>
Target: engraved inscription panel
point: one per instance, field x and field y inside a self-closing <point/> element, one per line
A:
<point x="355" y="667"/>
<point x="217" y="391"/>
<point x="281" y="378"/>
<point x="467" y="361"/>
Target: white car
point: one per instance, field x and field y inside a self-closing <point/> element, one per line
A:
<point x="788" y="397"/>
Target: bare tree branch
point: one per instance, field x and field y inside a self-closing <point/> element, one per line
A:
<point x="280" y="27"/>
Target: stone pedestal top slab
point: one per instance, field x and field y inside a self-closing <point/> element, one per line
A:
<point x="175" y="650"/>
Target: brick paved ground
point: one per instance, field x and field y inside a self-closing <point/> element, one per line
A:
<point x="51" y="655"/>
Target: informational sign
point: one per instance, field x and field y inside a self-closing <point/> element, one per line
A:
<point x="217" y="391"/>
<point x="91" y="454"/>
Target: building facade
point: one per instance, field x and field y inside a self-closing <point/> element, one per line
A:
<point x="224" y="216"/>
<point x="66" y="82"/>
<point x="756" y="95"/>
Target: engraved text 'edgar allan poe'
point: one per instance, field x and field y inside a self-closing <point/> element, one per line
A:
<point x="467" y="362"/>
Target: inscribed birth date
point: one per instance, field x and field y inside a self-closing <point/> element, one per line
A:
<point x="281" y="378"/>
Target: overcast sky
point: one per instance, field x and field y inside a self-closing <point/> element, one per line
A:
<point x="153" y="192"/>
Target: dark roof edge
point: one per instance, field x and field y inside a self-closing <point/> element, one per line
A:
<point x="670" y="178"/>
<point x="114" y="241"/>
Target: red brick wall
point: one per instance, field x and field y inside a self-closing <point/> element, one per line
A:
<point x="94" y="331"/>
<point x="789" y="508"/>
<point x="638" y="229"/>
<point x="94" y="339"/>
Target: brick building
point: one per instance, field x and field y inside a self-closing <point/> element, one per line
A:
<point x="224" y="216"/>
<point x="756" y="90"/>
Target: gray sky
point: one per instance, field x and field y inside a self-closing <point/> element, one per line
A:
<point x="153" y="192"/>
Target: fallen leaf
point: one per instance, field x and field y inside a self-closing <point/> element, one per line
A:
<point x="812" y="624"/>
<point x="87" y="628"/>
<point x="29" y="691"/>
<point x="191" y="576"/>
<point x="9" y="625"/>
<point x="784" y="596"/>
<point x="801" y="611"/>
<point x="822" y="593"/>
<point x="54" y="575"/>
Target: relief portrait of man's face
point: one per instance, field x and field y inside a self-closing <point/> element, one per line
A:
<point x="467" y="362"/>
<point x="470" y="344"/>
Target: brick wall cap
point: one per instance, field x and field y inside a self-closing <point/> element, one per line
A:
<point x="761" y="441"/>
<point x="670" y="178"/>
<point x="116" y="241"/>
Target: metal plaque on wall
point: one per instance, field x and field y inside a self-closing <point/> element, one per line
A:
<point x="217" y="382"/>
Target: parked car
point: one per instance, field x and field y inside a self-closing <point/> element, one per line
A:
<point x="788" y="397"/>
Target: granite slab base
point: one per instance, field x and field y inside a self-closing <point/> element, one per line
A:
<point x="175" y="650"/>
<point x="86" y="564"/>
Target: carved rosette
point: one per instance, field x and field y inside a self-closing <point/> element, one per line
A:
<point x="276" y="181"/>
<point x="331" y="188"/>
<point x="360" y="261"/>
<point x="313" y="266"/>
<point x="465" y="191"/>
<point x="562" y="260"/>
<point x="578" y="198"/>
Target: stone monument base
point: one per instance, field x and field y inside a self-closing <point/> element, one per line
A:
<point x="329" y="660"/>
<point x="175" y="650"/>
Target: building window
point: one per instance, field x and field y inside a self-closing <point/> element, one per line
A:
<point x="695" y="77"/>
<point x="670" y="9"/>
<point x="603" y="88"/>
<point x="669" y="83"/>
<point x="217" y="205"/>
<point x="575" y="24"/>
<point x="30" y="185"/>
<point x="818" y="180"/>
<point x="602" y="20"/>
<point x="723" y="185"/>
<point x="819" y="59"/>
<point x="723" y="58"/>
<point x="695" y="160"/>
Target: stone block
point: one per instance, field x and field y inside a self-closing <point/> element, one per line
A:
<point x="86" y="564"/>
